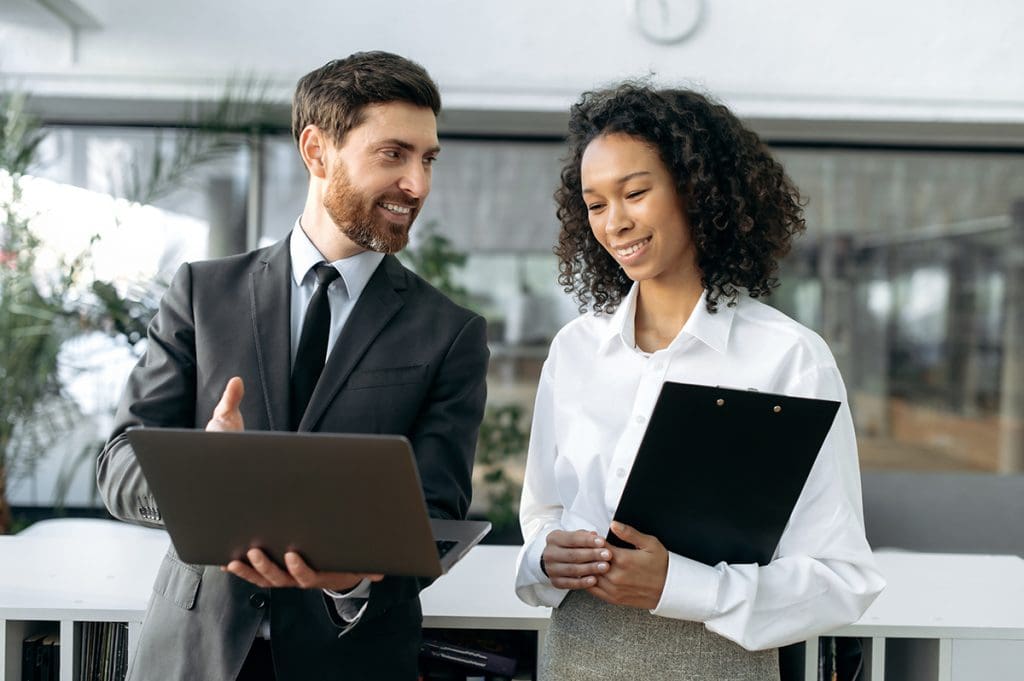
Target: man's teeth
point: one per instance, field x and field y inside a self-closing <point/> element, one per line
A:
<point x="632" y="249"/>
<point x="395" y="208"/>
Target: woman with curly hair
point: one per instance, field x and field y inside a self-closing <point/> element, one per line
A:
<point x="674" y="217"/>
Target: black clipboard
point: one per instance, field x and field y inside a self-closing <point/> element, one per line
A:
<point x="719" y="470"/>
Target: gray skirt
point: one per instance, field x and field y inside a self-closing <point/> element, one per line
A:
<point x="590" y="639"/>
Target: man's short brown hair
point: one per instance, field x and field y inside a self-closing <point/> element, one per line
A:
<point x="334" y="96"/>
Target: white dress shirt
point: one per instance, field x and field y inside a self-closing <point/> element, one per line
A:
<point x="595" y="395"/>
<point x="343" y="292"/>
<point x="342" y="295"/>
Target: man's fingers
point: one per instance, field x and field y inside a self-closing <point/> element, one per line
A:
<point x="299" y="570"/>
<point x="308" y="578"/>
<point x="227" y="415"/>
<point x="240" y="569"/>
<point x="234" y="391"/>
<point x="268" y="570"/>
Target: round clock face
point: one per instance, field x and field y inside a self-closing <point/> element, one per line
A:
<point x="666" y="21"/>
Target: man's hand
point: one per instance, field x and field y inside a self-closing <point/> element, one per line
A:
<point x="264" y="573"/>
<point x="637" y="576"/>
<point x="226" y="415"/>
<point x="573" y="560"/>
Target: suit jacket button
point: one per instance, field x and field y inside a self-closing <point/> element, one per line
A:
<point x="257" y="601"/>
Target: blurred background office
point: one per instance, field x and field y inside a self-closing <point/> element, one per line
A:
<point x="902" y="122"/>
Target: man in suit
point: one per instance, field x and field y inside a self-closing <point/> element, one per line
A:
<point x="229" y="349"/>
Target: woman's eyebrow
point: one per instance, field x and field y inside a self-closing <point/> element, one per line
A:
<point x="622" y="180"/>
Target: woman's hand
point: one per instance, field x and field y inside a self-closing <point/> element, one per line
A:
<point x="636" y="576"/>
<point x="574" y="560"/>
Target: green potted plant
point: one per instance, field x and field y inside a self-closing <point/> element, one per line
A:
<point x="41" y="308"/>
<point x="504" y="435"/>
<point x="37" y="312"/>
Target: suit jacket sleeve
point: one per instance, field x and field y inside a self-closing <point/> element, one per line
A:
<point x="444" y="441"/>
<point x="160" y="392"/>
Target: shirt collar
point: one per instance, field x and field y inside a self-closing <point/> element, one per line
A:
<point x="355" y="270"/>
<point x="621" y="324"/>
<point x="712" y="329"/>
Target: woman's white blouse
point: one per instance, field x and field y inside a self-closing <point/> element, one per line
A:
<point x="595" y="395"/>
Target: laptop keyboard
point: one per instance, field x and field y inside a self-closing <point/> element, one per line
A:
<point x="444" y="547"/>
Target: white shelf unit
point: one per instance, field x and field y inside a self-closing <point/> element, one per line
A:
<point x="94" y="571"/>
<point x="943" y="617"/>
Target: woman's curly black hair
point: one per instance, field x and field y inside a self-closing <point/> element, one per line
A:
<point x="742" y="209"/>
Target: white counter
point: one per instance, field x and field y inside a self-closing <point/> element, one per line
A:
<point x="93" y="571"/>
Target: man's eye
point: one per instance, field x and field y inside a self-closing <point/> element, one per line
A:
<point x="392" y="153"/>
<point x="430" y="160"/>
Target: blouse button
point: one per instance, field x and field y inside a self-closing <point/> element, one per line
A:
<point x="640" y="418"/>
<point x="621" y="472"/>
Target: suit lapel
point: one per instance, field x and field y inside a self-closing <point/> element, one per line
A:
<point x="270" y="308"/>
<point x="377" y="305"/>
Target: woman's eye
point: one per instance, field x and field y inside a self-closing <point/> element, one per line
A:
<point x="633" y="195"/>
<point x="595" y="206"/>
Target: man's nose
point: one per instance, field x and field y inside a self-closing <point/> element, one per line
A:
<point x="415" y="181"/>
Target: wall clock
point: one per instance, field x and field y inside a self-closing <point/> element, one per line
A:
<point x="665" y="21"/>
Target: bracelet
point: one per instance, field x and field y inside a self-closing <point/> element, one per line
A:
<point x="542" y="568"/>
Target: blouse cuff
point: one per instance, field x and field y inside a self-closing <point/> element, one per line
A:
<point x="691" y="590"/>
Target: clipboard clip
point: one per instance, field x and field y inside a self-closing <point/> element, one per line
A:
<point x="777" y="409"/>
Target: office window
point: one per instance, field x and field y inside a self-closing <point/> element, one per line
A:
<point x="195" y="206"/>
<point x="910" y="270"/>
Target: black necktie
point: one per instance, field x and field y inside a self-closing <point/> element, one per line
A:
<point x="312" y="352"/>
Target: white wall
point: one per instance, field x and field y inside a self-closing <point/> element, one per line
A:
<point x="948" y="61"/>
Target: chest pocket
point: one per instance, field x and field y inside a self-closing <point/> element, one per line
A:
<point x="361" y="379"/>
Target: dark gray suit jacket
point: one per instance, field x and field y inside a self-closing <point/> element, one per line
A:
<point x="409" y="361"/>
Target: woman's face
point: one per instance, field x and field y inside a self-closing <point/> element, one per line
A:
<point x="635" y="211"/>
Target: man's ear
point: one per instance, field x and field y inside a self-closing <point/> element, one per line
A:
<point x="313" y="148"/>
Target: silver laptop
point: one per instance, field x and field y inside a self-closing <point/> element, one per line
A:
<point x="346" y="503"/>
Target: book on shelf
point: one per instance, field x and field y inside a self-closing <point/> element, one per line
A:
<point x="51" y="658"/>
<point x="103" y="653"/>
<point x="40" y="657"/>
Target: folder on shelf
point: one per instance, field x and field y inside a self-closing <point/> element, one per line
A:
<point x="468" y="657"/>
<point x="719" y="470"/>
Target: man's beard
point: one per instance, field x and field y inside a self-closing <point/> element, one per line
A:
<point x="356" y="215"/>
